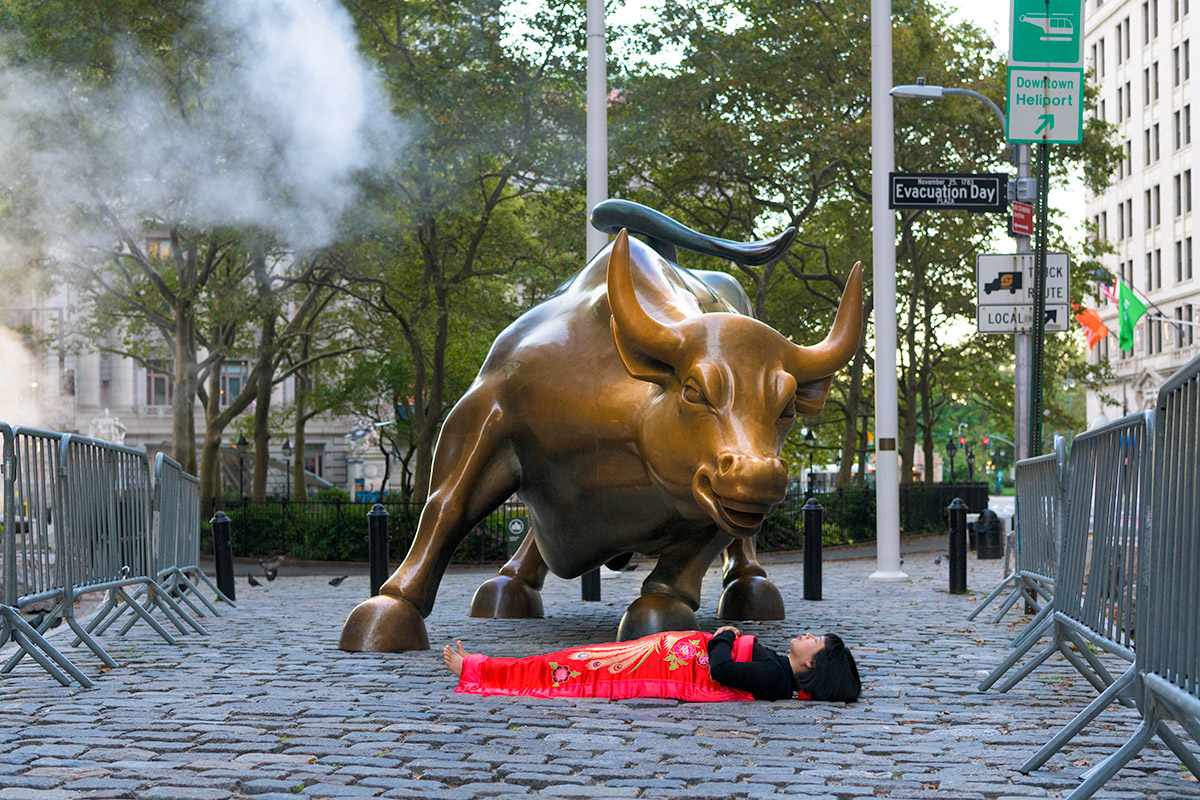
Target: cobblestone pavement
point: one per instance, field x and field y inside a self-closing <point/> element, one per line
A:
<point x="266" y="707"/>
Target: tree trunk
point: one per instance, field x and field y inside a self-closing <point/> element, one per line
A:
<point x="262" y="411"/>
<point x="850" y="430"/>
<point x="210" y="467"/>
<point x="183" y="402"/>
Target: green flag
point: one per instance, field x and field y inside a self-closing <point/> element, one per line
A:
<point x="1130" y="310"/>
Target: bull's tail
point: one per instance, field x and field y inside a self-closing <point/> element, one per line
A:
<point x="665" y="234"/>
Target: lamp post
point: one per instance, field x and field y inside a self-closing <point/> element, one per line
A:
<point x="1023" y="355"/>
<point x="810" y="441"/>
<point x="951" y="449"/>
<point x="240" y="446"/>
<point x="287" y="457"/>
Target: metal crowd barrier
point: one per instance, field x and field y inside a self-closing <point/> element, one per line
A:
<point x="1108" y="493"/>
<point x="1041" y="511"/>
<point x="1165" y="676"/>
<point x="28" y="573"/>
<point x="177" y="535"/>
<point x="78" y="522"/>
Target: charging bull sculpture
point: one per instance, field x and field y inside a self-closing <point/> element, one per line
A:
<point x="641" y="408"/>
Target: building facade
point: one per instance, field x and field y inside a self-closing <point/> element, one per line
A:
<point x="1141" y="55"/>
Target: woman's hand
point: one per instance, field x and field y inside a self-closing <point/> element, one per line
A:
<point x="724" y="628"/>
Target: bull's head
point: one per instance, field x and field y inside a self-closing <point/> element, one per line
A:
<point x="732" y="387"/>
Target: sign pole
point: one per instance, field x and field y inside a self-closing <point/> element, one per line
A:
<point x="1039" y="304"/>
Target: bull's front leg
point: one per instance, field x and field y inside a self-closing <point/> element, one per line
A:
<point x="748" y="594"/>
<point x="671" y="593"/>
<point x="473" y="473"/>
<point x="516" y="592"/>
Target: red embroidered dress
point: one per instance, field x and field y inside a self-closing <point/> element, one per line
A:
<point x="671" y="665"/>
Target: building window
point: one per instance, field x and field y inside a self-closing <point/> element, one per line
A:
<point x="1178" y="262"/>
<point x="1174" y="10"/>
<point x="1178" y="195"/>
<point x="314" y="459"/>
<point x="1117" y="42"/>
<point x="160" y="386"/>
<point x="1128" y="100"/>
<point x="1175" y="73"/>
<point x="1153" y="336"/>
<point x="1127" y="50"/>
<point x="1100" y="61"/>
<point x="1154" y="138"/>
<point x="1149" y="272"/>
<point x="1187" y="124"/>
<point x="1189" y="330"/>
<point x="1177" y="130"/>
<point x="1129" y="156"/>
<point x="1154" y="19"/>
<point x="1158" y="267"/>
<point x="233" y="380"/>
<point x="1149" y="221"/>
<point x="1178" y="326"/>
<point x="1146" y="144"/>
<point x="1146" y="86"/>
<point x="1187" y="190"/>
<point x="1187" y="59"/>
<point x="1120" y="103"/>
<point x="1187" y="258"/>
<point x="1146" y="22"/>
<point x="1156" y="193"/>
<point x="158" y="247"/>
<point x="1121" y="221"/>
<point x="1104" y="225"/>
<point x="1154" y="79"/>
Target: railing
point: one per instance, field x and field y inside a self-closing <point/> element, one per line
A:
<point x="336" y="531"/>
<point x="77" y="522"/>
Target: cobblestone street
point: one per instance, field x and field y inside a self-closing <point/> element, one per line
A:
<point x="267" y="707"/>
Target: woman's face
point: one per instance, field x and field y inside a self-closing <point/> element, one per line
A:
<point x="805" y="648"/>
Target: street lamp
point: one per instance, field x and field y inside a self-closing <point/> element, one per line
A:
<point x="240" y="446"/>
<point x="810" y="441"/>
<point x="287" y="457"/>
<point x="951" y="449"/>
<point x="1024" y="341"/>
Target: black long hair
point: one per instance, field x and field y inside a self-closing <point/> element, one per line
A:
<point x="834" y="675"/>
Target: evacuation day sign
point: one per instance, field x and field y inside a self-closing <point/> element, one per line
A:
<point x="1045" y="72"/>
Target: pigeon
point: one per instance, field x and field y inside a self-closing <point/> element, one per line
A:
<point x="937" y="561"/>
<point x="253" y="582"/>
<point x="338" y="580"/>
<point x="270" y="566"/>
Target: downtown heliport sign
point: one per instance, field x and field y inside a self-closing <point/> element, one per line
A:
<point x="1045" y="72"/>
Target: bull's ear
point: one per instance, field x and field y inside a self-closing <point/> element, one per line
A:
<point x="638" y="364"/>
<point x="810" y="397"/>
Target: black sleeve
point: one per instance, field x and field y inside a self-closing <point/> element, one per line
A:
<point x="764" y="678"/>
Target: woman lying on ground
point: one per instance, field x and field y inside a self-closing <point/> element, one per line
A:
<point x="686" y="665"/>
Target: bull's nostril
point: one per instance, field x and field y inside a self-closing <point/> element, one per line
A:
<point x="725" y="464"/>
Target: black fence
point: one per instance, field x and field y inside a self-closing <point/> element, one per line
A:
<point x="337" y="531"/>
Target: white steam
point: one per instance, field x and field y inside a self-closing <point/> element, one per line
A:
<point x="19" y="402"/>
<point x="273" y="130"/>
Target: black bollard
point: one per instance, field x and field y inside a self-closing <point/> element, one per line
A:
<point x="223" y="554"/>
<point x="958" y="546"/>
<point x="813" y="534"/>
<point x="591" y="585"/>
<point x="377" y="546"/>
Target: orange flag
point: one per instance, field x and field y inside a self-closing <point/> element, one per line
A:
<point x="1093" y="328"/>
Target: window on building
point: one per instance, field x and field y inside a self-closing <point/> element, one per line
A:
<point x="1149" y="219"/>
<point x="160" y="386"/>
<point x="1146" y="22"/>
<point x="1146" y="86"/>
<point x="1129" y="221"/>
<point x="1149" y="272"/>
<point x="158" y="246"/>
<point x="1174" y="10"/>
<point x="1127" y="49"/>
<point x="1104" y="111"/>
<point x="1175" y="71"/>
<point x="1104" y="225"/>
<point x="1154" y="137"/>
<point x="314" y="459"/>
<point x="1177" y="130"/>
<point x="1156" y="194"/>
<point x="1189" y="331"/>
<point x="233" y="380"/>
<point x="1178" y="326"/>
<point x="1178" y="181"/>
<point x="1187" y="190"/>
<point x="1187" y="59"/>
<point x="1120" y="220"/>
<point x="1187" y="258"/>
<point x="1154" y="19"/>
<point x="1100" y="61"/>
<point x="1120" y="103"/>
<point x="1154" y="332"/>
<point x="1128" y="157"/>
<point x="1187" y="124"/>
<point x="1158" y="268"/>
<point x="1154" y="79"/>
<point x="1117" y="40"/>
<point x="1179" y="262"/>
<point x="1146" y="145"/>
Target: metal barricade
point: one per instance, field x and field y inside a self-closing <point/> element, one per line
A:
<point x="1041" y="511"/>
<point x="107" y="542"/>
<point x="177" y="535"/>
<point x="1108" y="485"/>
<point x="29" y="574"/>
<point x="1163" y="677"/>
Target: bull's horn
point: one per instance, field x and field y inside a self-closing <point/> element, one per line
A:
<point x="826" y="358"/>
<point x="656" y="340"/>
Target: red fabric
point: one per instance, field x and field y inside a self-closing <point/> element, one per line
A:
<point x="671" y="665"/>
<point x="743" y="648"/>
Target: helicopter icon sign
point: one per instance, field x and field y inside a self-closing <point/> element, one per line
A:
<point x="1047" y="33"/>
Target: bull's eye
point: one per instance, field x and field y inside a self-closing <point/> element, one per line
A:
<point x="692" y="394"/>
<point x="789" y="411"/>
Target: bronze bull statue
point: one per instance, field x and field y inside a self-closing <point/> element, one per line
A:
<point x="641" y="408"/>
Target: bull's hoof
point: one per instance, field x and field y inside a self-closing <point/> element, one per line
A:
<point x="750" y="597"/>
<point x="655" y="613"/>
<point x="505" y="597"/>
<point x="384" y="624"/>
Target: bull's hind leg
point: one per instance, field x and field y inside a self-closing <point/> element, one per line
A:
<point x="473" y="472"/>
<point x="671" y="593"/>
<point x="748" y="594"/>
<point x="516" y="592"/>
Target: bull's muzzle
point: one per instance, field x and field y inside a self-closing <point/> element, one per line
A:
<point x="742" y="491"/>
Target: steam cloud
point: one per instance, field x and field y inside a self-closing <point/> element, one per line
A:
<point x="19" y="403"/>
<point x="285" y="119"/>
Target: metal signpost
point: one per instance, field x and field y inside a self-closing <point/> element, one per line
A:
<point x="1045" y="105"/>
<point x="984" y="194"/>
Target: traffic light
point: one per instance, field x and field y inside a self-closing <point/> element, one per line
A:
<point x="962" y="440"/>
<point x="986" y="441"/>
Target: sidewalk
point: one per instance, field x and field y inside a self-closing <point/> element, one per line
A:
<point x="267" y="707"/>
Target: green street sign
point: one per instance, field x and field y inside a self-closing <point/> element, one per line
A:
<point x="1046" y="32"/>
<point x="1045" y="105"/>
